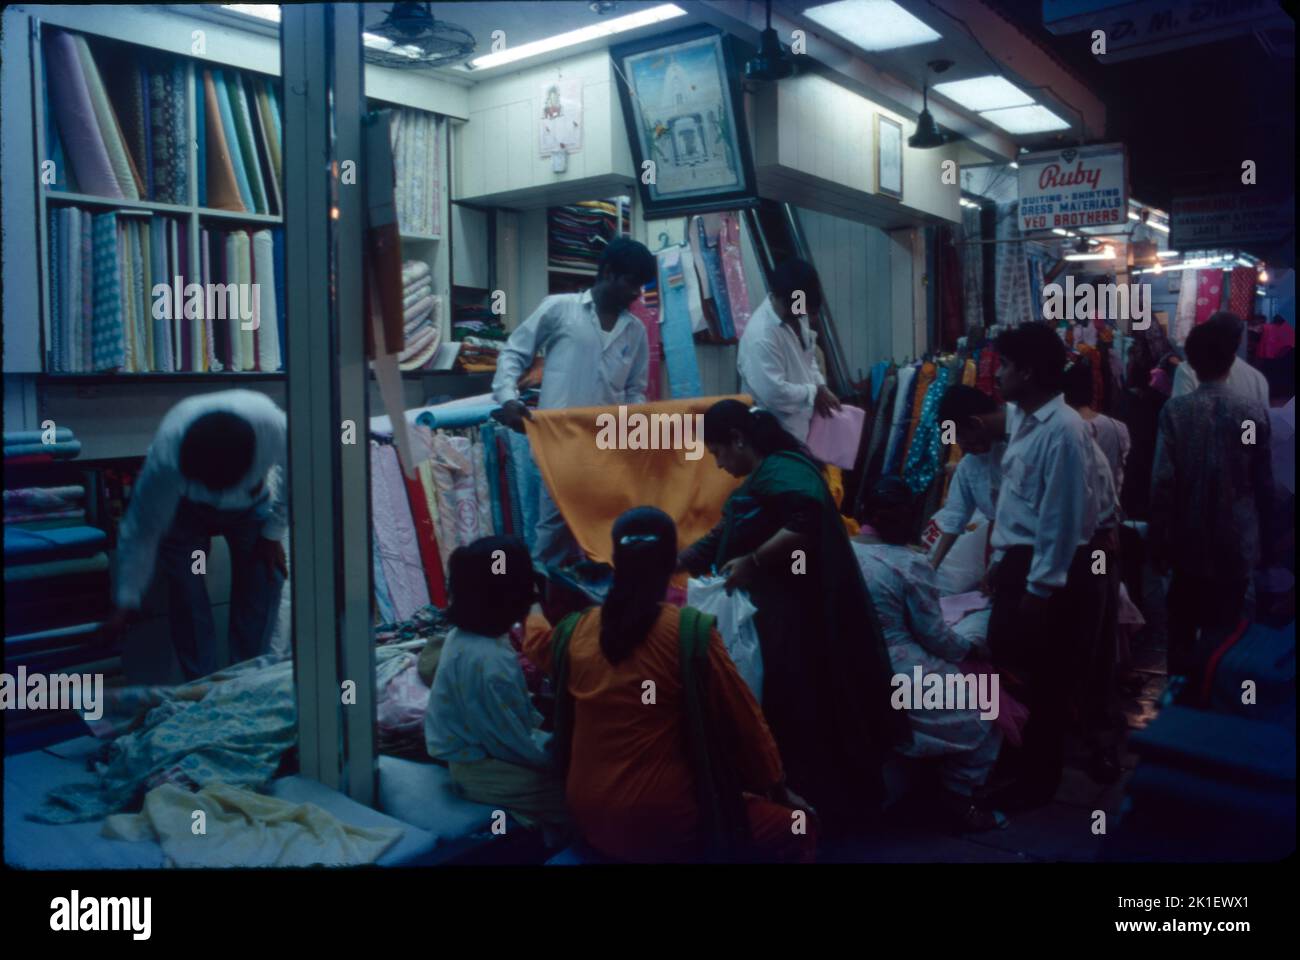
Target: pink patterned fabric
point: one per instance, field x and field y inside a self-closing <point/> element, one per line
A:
<point x="734" y="271"/>
<point x="648" y="314"/>
<point x="395" y="536"/>
<point x="1209" y="294"/>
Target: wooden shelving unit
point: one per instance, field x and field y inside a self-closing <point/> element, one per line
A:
<point x="191" y="214"/>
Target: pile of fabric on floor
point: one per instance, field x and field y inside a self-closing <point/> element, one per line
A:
<point x="233" y="727"/>
<point x="422" y="313"/>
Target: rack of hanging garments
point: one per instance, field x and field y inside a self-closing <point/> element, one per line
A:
<point x="472" y="478"/>
<point x="904" y="436"/>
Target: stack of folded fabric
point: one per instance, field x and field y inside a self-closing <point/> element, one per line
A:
<point x="417" y="188"/>
<point x="579" y="232"/>
<point x="422" y="313"/>
<point x="26" y="447"/>
<point x="56" y="570"/>
<point x="41" y="505"/>
<point x="472" y="317"/>
<point x="116" y="120"/>
<point x="478" y="354"/>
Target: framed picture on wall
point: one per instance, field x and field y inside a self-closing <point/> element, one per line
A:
<point x="685" y="122"/>
<point x="889" y="157"/>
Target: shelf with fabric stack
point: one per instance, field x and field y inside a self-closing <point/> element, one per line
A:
<point x="572" y="247"/>
<point x="152" y="172"/>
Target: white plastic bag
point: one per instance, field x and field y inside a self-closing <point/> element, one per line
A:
<point x="963" y="568"/>
<point x="735" y="616"/>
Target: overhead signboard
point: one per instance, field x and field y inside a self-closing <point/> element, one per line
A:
<point x="1155" y="26"/>
<point x="1243" y="218"/>
<point x="1077" y="187"/>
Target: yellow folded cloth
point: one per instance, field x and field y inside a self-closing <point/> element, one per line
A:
<point x="240" y="828"/>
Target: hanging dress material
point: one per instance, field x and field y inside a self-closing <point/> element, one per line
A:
<point x="907" y="377"/>
<point x="395" y="533"/>
<point x="1209" y="294"/>
<point x="926" y="452"/>
<point x="733" y="271"/>
<point x="676" y="325"/>
<point x="924" y="377"/>
<point x="648" y="313"/>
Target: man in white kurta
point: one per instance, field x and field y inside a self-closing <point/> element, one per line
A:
<point x="597" y="355"/>
<point x="777" y="357"/>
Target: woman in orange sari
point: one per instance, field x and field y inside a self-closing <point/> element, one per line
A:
<point x="665" y="753"/>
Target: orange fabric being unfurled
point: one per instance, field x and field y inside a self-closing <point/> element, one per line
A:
<point x="593" y="486"/>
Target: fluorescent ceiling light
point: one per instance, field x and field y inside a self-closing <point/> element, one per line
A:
<point x="872" y="25"/>
<point x="1166" y="254"/>
<point x="632" y="21"/>
<point x="1157" y="226"/>
<point x="1059" y="232"/>
<point x="1031" y="119"/>
<point x="1091" y="256"/>
<point x="1133" y="216"/>
<point x="262" y="11"/>
<point x="984" y="93"/>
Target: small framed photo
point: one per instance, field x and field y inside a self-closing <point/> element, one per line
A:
<point x="889" y="157"/>
<point x="685" y="120"/>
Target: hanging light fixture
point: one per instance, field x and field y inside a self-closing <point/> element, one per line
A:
<point x="772" y="62"/>
<point x="928" y="135"/>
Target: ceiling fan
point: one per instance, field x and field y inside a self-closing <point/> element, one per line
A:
<point x="416" y="40"/>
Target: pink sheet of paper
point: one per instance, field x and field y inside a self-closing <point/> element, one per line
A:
<point x="835" y="439"/>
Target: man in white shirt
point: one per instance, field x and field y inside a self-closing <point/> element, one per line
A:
<point x="1243" y="379"/>
<point x="597" y="355"/>
<point x="980" y="425"/>
<point x="1048" y="603"/>
<point x="777" y="357"/>
<point x="215" y="468"/>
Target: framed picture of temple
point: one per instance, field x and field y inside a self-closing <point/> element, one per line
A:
<point x="685" y="121"/>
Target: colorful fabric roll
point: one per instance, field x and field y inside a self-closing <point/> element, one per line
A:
<point x="223" y="191"/>
<point x="82" y="140"/>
